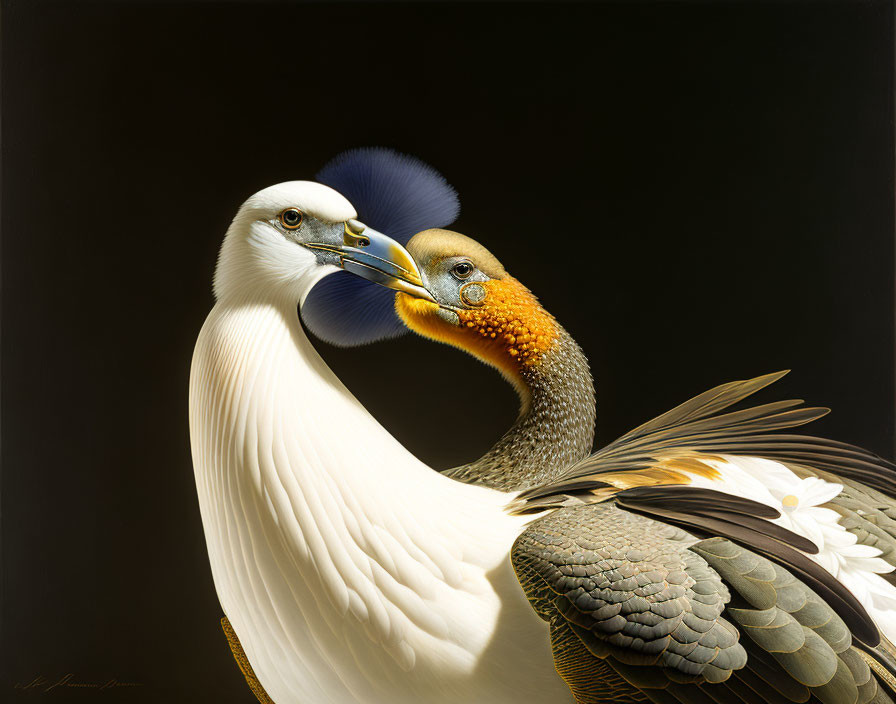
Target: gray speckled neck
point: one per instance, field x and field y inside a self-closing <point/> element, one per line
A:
<point x="555" y="429"/>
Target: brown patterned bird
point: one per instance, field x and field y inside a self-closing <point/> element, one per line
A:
<point x="701" y="557"/>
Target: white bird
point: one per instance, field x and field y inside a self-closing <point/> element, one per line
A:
<point x="352" y="572"/>
<point x="349" y="570"/>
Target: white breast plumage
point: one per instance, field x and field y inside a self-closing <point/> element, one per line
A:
<point x="350" y="571"/>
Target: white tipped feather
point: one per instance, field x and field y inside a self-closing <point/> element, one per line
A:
<point x="800" y="502"/>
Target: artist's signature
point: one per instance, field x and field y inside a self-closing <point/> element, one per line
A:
<point x="71" y="681"/>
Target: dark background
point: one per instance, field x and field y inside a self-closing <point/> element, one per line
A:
<point x="699" y="192"/>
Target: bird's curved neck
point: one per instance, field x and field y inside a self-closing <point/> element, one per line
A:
<point x="555" y="427"/>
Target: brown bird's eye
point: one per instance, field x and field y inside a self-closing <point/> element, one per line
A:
<point x="462" y="270"/>
<point x="291" y="218"/>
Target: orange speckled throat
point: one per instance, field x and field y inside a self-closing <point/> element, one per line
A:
<point x="513" y="317"/>
<point x="508" y="328"/>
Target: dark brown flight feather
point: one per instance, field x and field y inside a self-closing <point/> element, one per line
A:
<point x="732" y="517"/>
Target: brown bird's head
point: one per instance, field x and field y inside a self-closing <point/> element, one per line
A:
<point x="477" y="305"/>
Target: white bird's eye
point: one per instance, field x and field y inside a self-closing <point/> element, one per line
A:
<point x="462" y="270"/>
<point x="291" y="218"/>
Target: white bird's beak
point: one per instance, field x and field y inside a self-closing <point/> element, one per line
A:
<point x="377" y="258"/>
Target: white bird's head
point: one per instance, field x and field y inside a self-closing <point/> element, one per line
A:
<point x="287" y="237"/>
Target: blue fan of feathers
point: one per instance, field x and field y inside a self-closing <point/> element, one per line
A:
<point x="397" y="195"/>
